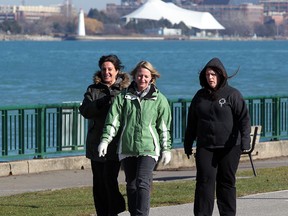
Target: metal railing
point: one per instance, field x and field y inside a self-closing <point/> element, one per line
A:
<point x="53" y="130"/>
<point x="269" y="112"/>
<point x="38" y="131"/>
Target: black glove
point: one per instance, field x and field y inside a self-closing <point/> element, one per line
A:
<point x="188" y="152"/>
<point x="245" y="148"/>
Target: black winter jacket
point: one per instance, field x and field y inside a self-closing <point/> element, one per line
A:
<point x="95" y="106"/>
<point x="218" y="119"/>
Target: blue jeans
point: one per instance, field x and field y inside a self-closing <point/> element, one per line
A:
<point x="139" y="176"/>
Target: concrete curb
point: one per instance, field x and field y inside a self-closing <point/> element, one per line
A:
<point x="263" y="150"/>
<point x="42" y="165"/>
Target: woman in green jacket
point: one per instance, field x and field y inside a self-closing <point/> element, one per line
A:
<point x="142" y="115"/>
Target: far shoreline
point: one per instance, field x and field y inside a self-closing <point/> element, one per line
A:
<point x="20" y="37"/>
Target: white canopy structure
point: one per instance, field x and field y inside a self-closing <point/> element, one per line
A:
<point x="157" y="10"/>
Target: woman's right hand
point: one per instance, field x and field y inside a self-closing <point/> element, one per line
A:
<point x="188" y="152"/>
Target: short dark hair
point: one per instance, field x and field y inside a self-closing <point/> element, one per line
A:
<point x="113" y="59"/>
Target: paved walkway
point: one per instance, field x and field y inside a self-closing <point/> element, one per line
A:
<point x="274" y="204"/>
<point x="268" y="204"/>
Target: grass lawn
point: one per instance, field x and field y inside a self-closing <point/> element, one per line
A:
<point x="79" y="201"/>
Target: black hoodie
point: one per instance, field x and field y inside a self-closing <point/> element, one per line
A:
<point x="217" y="118"/>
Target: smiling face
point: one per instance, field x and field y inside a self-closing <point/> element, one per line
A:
<point x="212" y="78"/>
<point x="109" y="73"/>
<point x="143" y="78"/>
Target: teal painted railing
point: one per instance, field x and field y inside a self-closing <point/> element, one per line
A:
<point x="53" y="130"/>
<point x="38" y="131"/>
<point x="269" y="112"/>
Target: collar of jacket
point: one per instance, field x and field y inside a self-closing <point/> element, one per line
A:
<point x="122" y="81"/>
<point x="215" y="95"/>
<point x="131" y="92"/>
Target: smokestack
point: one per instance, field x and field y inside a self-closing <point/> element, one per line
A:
<point x="81" y="24"/>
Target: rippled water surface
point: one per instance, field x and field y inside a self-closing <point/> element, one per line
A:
<point x="54" y="72"/>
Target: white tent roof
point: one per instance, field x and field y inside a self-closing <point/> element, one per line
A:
<point x="157" y="9"/>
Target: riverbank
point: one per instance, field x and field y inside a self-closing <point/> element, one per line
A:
<point x="20" y="37"/>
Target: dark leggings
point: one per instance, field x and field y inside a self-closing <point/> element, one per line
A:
<point x="107" y="198"/>
<point x="216" y="166"/>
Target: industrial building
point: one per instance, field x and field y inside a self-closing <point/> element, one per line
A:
<point x="32" y="13"/>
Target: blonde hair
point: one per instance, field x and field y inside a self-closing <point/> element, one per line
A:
<point x="147" y="65"/>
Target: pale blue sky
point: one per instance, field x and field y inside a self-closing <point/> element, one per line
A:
<point x="84" y="4"/>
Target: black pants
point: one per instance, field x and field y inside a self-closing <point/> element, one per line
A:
<point x="216" y="166"/>
<point x="107" y="198"/>
<point x="139" y="176"/>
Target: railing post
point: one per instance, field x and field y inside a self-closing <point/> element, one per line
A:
<point x="75" y="128"/>
<point x="21" y="141"/>
<point x="284" y="115"/>
<point x="4" y="150"/>
<point x="263" y="111"/>
<point x="184" y="118"/>
<point x="171" y="128"/>
<point x="251" y="109"/>
<point x="40" y="147"/>
<point x="276" y="117"/>
<point x="59" y="129"/>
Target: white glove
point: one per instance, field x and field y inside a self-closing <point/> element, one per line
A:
<point x="102" y="149"/>
<point x="166" y="157"/>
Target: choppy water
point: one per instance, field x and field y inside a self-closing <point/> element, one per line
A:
<point x="54" y="72"/>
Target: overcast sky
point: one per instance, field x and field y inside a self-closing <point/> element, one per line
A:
<point x="84" y="4"/>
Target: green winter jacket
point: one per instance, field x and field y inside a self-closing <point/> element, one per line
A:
<point x="144" y="124"/>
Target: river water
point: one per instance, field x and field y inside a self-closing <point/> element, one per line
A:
<point x="38" y="72"/>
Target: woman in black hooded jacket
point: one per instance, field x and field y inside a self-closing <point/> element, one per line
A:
<point x="108" y="82"/>
<point x="219" y="122"/>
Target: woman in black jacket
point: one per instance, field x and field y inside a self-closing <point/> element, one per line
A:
<point x="108" y="82"/>
<point x="219" y="121"/>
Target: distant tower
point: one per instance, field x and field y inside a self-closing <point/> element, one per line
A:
<point x="81" y="24"/>
<point x="67" y="8"/>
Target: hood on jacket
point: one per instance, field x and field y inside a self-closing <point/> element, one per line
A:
<point x="123" y="79"/>
<point x="219" y="68"/>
